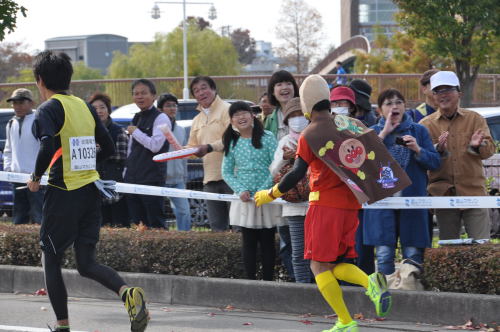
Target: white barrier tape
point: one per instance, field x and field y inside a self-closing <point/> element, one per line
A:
<point x="454" y="202"/>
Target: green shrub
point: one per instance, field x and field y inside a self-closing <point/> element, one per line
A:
<point x="465" y="269"/>
<point x="203" y="254"/>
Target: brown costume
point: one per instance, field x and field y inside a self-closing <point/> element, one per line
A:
<point x="358" y="156"/>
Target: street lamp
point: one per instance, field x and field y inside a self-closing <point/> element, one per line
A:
<point x="212" y="15"/>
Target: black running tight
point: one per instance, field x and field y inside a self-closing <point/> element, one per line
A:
<point x="265" y="237"/>
<point x="87" y="267"/>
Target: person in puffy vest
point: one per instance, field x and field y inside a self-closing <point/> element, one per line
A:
<point x="146" y="140"/>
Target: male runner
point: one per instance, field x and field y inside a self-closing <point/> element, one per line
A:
<point x="68" y="130"/>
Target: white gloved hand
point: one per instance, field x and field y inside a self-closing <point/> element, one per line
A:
<point x="107" y="188"/>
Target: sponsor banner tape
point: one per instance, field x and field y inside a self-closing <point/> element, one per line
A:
<point x="448" y="202"/>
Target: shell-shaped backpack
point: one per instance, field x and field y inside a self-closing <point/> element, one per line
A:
<point x="299" y="193"/>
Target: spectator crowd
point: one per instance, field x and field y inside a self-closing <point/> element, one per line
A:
<point x="439" y="145"/>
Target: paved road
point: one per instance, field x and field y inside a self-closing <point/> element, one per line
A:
<point x="32" y="313"/>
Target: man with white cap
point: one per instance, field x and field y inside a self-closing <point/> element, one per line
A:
<point x="21" y="149"/>
<point x="463" y="139"/>
<point x="332" y="217"/>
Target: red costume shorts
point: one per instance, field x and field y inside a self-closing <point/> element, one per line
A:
<point x="330" y="233"/>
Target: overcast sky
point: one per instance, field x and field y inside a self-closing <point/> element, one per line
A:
<point x="132" y="19"/>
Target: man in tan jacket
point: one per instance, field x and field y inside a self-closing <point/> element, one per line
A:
<point x="463" y="139"/>
<point x="206" y="133"/>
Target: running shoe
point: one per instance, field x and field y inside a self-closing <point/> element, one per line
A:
<point x="135" y="303"/>
<point x="338" y="327"/>
<point x="378" y="293"/>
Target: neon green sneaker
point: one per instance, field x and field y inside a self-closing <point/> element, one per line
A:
<point x="378" y="293"/>
<point x="135" y="303"/>
<point x="338" y="327"/>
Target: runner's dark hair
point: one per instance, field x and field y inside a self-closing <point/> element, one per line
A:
<point x="55" y="70"/>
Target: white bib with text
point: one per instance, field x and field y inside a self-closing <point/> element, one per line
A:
<point x="82" y="153"/>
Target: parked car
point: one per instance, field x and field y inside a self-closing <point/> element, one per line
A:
<point x="492" y="116"/>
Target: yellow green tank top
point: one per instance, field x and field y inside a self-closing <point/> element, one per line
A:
<point x="78" y="144"/>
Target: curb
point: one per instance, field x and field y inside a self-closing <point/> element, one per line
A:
<point x="408" y="306"/>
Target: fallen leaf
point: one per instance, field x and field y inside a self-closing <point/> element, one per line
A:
<point x="142" y="227"/>
<point x="306" y="315"/>
<point x="359" y="316"/>
<point x="306" y="322"/>
<point x="380" y="319"/>
<point x="248" y="323"/>
<point x="41" y="292"/>
<point x="229" y="307"/>
<point x="43" y="308"/>
<point x="331" y="316"/>
<point x="211" y="314"/>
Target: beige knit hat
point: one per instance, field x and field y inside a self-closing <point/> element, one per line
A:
<point x="313" y="90"/>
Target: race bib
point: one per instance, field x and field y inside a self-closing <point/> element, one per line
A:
<point x="82" y="153"/>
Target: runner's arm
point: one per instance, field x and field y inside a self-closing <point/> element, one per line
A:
<point x="45" y="154"/>
<point x="49" y="119"/>
<point x="293" y="177"/>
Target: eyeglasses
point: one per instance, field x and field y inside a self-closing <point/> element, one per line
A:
<point x="398" y="102"/>
<point x="445" y="90"/>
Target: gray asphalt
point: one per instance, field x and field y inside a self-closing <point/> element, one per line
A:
<point x="30" y="313"/>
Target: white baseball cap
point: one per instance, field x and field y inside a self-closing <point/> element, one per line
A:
<point x="444" y="78"/>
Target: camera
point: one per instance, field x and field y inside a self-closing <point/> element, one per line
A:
<point x="400" y="141"/>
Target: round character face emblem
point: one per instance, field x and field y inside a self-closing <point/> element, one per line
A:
<point x="341" y="121"/>
<point x="352" y="153"/>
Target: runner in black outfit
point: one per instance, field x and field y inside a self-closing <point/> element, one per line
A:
<point x="68" y="130"/>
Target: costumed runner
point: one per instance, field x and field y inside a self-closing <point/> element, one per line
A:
<point x="348" y="166"/>
<point x="68" y="130"/>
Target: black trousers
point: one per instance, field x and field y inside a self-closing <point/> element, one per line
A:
<point x="265" y="237"/>
<point x="72" y="218"/>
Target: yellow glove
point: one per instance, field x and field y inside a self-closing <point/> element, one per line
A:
<point x="267" y="196"/>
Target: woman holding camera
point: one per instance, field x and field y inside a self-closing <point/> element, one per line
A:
<point x="411" y="146"/>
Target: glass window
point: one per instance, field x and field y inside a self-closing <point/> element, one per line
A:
<point x="363" y="13"/>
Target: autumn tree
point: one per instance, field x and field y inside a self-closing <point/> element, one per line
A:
<point x="9" y="11"/>
<point x="399" y="54"/>
<point x="80" y="72"/>
<point x="299" y="27"/>
<point x="208" y="54"/>
<point x="462" y="30"/>
<point x="13" y="59"/>
<point x="244" y="44"/>
<point x="199" y="21"/>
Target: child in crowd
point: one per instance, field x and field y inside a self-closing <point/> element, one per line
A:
<point x="248" y="152"/>
<point x="293" y="213"/>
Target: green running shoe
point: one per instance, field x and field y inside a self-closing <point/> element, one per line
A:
<point x="135" y="303"/>
<point x="338" y="327"/>
<point x="378" y="293"/>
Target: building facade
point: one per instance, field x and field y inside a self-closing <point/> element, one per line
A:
<point x="363" y="17"/>
<point x="96" y="51"/>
